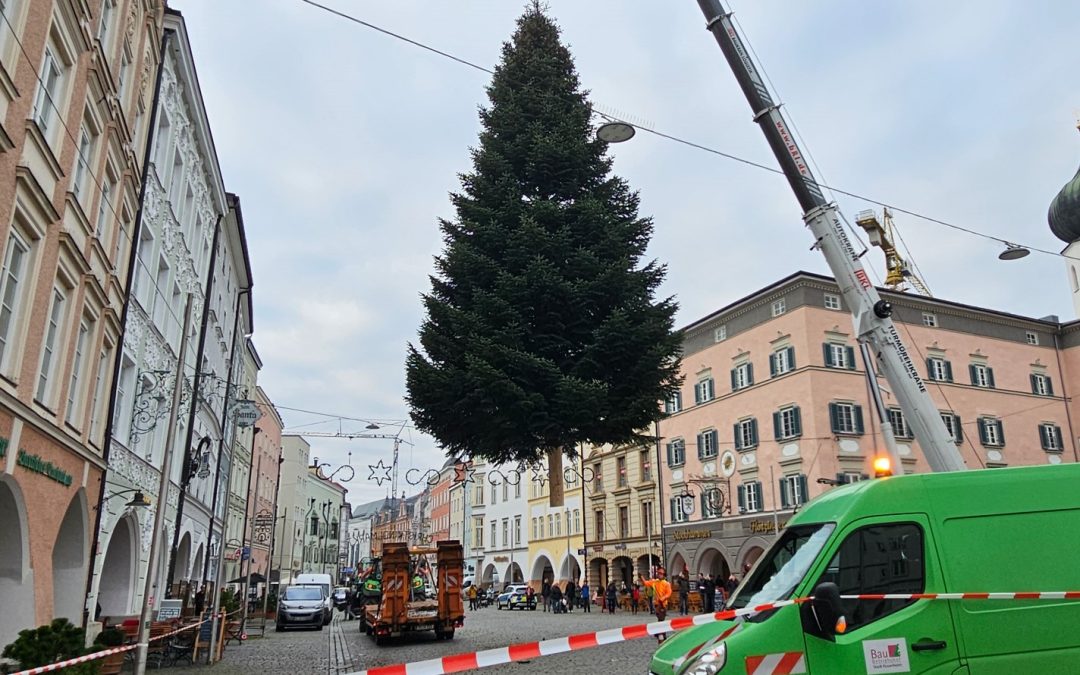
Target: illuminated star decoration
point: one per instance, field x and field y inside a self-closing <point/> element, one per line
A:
<point x="382" y="470"/>
<point x="538" y="474"/>
<point x="463" y="471"/>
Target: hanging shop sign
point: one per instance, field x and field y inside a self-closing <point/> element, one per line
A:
<point x="247" y="413"/>
<point x="686" y="535"/>
<point x="45" y="468"/>
<point x="765" y="526"/>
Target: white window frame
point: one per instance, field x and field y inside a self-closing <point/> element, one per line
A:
<point x="779" y="307"/>
<point x="794" y="493"/>
<point x="1041" y="384"/>
<point x="832" y="301"/>
<point x="54" y="329"/>
<point x="992" y="431"/>
<point x="707" y="387"/>
<point x="49" y="87"/>
<point x="678" y="515"/>
<point x="707" y="449"/>
<point x="845" y="425"/>
<point x="851" y="476"/>
<point x="742" y="376"/>
<point x="74" y="397"/>
<point x="1050" y="430"/>
<point x="1032" y="337"/>
<point x="929" y="320"/>
<point x="83" y="157"/>
<point x="674" y="403"/>
<point x="787" y="423"/>
<point x="899" y="423"/>
<point x="752" y="500"/>
<point x="949" y="420"/>
<point x="97" y="415"/>
<point x="746" y="433"/>
<point x="781" y="361"/>
<point x="13" y="291"/>
<point x="104" y="35"/>
<point x="938" y="370"/>
<point x="720" y="334"/>
<point x="678" y="446"/>
<point x="982" y="375"/>
<point x="839" y="355"/>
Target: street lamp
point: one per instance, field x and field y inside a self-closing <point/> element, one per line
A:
<point x="615" y="132"/>
<point x="1013" y="252"/>
<point x="139" y="499"/>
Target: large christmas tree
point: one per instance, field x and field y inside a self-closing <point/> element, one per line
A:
<point x="542" y="329"/>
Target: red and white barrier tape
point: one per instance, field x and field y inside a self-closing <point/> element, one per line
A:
<point x="457" y="663"/>
<point x="102" y="654"/>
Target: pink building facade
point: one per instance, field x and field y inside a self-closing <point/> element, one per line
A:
<point x="262" y="500"/>
<point x="775" y="408"/>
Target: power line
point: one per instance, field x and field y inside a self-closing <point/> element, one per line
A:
<point x="698" y="146"/>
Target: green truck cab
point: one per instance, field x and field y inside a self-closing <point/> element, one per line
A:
<point x="982" y="531"/>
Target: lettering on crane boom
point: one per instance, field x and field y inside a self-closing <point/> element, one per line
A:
<point x="909" y="366"/>
<point x="838" y="230"/>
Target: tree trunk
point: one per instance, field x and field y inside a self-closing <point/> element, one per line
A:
<point x="555" y="478"/>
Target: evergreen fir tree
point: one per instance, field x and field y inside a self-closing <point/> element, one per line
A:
<point x="542" y="329"/>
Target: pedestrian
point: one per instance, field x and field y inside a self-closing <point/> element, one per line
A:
<point x="545" y="594"/>
<point x="611" y="593"/>
<point x="586" y="599"/>
<point x="635" y="597"/>
<point x="200" y="602"/>
<point x="556" y="599"/>
<point x="571" y="595"/>
<point x="472" y="597"/>
<point x="684" y="593"/>
<point x="649" y="593"/>
<point x="710" y="595"/>
<point x="731" y="585"/>
<point x="661" y="593"/>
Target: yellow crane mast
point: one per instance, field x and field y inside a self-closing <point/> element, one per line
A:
<point x="897" y="272"/>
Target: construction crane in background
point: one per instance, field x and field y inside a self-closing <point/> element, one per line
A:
<point x="898" y="274"/>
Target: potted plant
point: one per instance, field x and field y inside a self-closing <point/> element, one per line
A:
<point x="108" y="639"/>
<point x="57" y="641"/>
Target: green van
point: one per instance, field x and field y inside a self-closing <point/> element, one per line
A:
<point x="992" y="530"/>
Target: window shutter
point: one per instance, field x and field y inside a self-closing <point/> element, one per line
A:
<point x="930" y="369"/>
<point x="982" y="430"/>
<point x="850" y="358"/>
<point x="700" y="445"/>
<point x="742" y="497"/>
<point x="798" y="420"/>
<point x="753" y="432"/>
<point x="1001" y="431"/>
<point x="958" y="429"/>
<point x="948" y="371"/>
<point x="749" y="374"/>
<point x="1044" y="431"/>
<point x="785" y="500"/>
<point x="772" y="365"/>
<point x="826" y="350"/>
<point x="671" y="504"/>
<point x="804" y="493"/>
<point x="791" y="358"/>
<point x="834" y="418"/>
<point x="738" y="437"/>
<point x="704" y="512"/>
<point x="715" y="442"/>
<point x="697" y="392"/>
<point x="1049" y="386"/>
<point x="1057" y="437"/>
<point x="777" y="429"/>
<point x="971" y="372"/>
<point x="1034" y="383"/>
<point x="990" y="377"/>
<point x="670" y="455"/>
<point x="734" y="382"/>
<point x="858" y="419"/>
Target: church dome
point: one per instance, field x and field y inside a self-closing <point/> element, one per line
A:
<point x="1064" y="215"/>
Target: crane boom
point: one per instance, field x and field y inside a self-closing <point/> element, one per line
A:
<point x="871" y="315"/>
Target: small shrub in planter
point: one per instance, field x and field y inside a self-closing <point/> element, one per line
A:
<point x="107" y="639"/>
<point x="57" y="641"/>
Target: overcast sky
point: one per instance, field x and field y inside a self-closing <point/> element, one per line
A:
<point x="343" y="144"/>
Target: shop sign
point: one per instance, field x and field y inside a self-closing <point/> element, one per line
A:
<point x="170" y="609"/>
<point x="764" y="526"/>
<point x="501" y="559"/>
<point x="47" y="469"/>
<point x="687" y="535"/>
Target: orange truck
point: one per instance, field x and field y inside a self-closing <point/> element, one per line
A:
<point x="401" y="609"/>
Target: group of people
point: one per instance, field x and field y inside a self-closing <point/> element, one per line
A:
<point x="566" y="599"/>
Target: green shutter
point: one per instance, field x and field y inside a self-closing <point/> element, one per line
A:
<point x="834" y="418"/>
<point x="1057" y="437"/>
<point x="697" y="393"/>
<point x="737" y="436"/>
<point x="798" y="420"/>
<point x="715" y="442"/>
<point x="959" y="429"/>
<point x="804" y="493"/>
<point x="930" y="369"/>
<point x="971" y="372"/>
<point x="785" y="500"/>
<point x="948" y="371"/>
<point x="850" y="358"/>
<point x="990" y="376"/>
<point x="858" y="419"/>
<point x="772" y="365"/>
<point x="753" y="432"/>
<point x="982" y="431"/>
<point x="826" y="350"/>
<point x="1044" y="431"/>
<point x="777" y="429"/>
<point x="670" y="455"/>
<point x="1001" y="431"/>
<point x="1049" y="386"/>
<point x="700" y="445"/>
<point x="742" y="498"/>
<point x="749" y="374"/>
<point x="1034" y="379"/>
<point x="791" y="357"/>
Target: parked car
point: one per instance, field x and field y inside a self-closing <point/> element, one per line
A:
<point x="341" y="598"/>
<point x="301" y="606"/>
<point x="516" y="597"/>
<point x="325" y="582"/>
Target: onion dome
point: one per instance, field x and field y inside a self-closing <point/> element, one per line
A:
<point x="1064" y="215"/>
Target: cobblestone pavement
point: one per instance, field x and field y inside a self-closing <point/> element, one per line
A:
<point x="342" y="648"/>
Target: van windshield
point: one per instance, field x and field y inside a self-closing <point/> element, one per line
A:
<point x="783" y="566"/>
<point x="302" y="593"/>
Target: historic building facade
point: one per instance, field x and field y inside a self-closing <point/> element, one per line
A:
<point x="556" y="533"/>
<point x="775" y="408"/>
<point x="506" y="551"/>
<point x="292" y="506"/>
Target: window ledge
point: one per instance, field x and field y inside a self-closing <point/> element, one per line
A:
<point x="751" y="448"/>
<point x="645" y="485"/>
<point x="619" y="492"/>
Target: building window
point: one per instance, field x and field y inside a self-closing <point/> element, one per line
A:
<point x="598" y="477"/>
<point x="782" y="361"/>
<point x="742" y="376"/>
<point x="105" y="209"/>
<point x="1050" y="436"/>
<point x="517" y="530"/>
<point x="49" y="88"/>
<point x="750" y="497"/>
<point x="577" y="521"/>
<point x="982" y="375"/>
<point x="793" y="491"/>
<point x="707" y="444"/>
<point x="494" y="494"/>
<point x="11" y="294"/>
<point x="104" y="28"/>
<point x="73" y="397"/>
<point x="710" y="506"/>
<point x="705" y="390"/>
<point x="505" y="533"/>
<point x="550" y="526"/>
<point x="779" y="307"/>
<point x="505" y="491"/>
<point x="645" y="466"/>
<point x="620" y="471"/>
<point x="787" y="423"/>
<point x="899" y="423"/>
<point x="122" y="76"/>
<point x="1041" y="385"/>
<point x="720" y="334"/>
<point x="82" y="160"/>
<point x="846" y="418"/>
<point x="677" y="513"/>
<point x="96" y="414"/>
<point x="1032" y="338"/>
<point x="535" y="534"/>
<point x="647" y="518"/>
<point x="746" y="434"/>
<point x="938" y="369"/>
<point x="676" y="452"/>
<point x="598" y="521"/>
<point x="929" y="320"/>
<point x="839" y="356"/>
<point x="673" y="404"/>
<point x="991" y="432"/>
<point x="52" y="335"/>
<point x="832" y="301"/>
<point x="624" y="522"/>
<point x="517" y="489"/>
<point x="558" y="524"/>
<point x="847" y="477"/>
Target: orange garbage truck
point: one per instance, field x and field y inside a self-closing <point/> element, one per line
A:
<point x="406" y="605"/>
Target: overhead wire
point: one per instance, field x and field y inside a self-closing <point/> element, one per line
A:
<point x="699" y="146"/>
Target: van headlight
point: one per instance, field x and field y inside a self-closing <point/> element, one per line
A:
<point x="708" y="662"/>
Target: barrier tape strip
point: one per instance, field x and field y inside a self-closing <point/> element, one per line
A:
<point x="102" y="654"/>
<point x="457" y="663"/>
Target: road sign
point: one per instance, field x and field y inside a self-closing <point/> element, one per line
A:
<point x="170" y="609"/>
<point x="246" y="413"/>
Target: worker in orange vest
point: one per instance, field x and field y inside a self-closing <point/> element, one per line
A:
<point x="661" y="594"/>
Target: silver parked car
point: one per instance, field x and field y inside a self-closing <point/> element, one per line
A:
<point x="301" y="606"/>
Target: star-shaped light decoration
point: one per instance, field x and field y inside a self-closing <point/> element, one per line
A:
<point x="463" y="471"/>
<point x="539" y="475"/>
<point x="379" y="472"/>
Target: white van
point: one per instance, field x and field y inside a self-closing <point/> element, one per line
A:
<point x="324" y="581"/>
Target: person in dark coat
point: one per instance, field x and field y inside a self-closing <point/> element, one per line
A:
<point x="684" y="593"/>
<point x="571" y="595"/>
<point x="710" y="595"/>
<point x="545" y="594"/>
<point x="586" y="599"/>
<point x="556" y="599"/>
<point x="611" y="597"/>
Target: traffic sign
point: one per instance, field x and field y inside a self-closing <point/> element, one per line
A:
<point x="246" y="413"/>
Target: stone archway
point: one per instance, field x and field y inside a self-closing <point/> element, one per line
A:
<point x="16" y="577"/>
<point x="197" y="570"/>
<point x="183" y="559"/>
<point x="570" y="569"/>
<point x="542" y="569"/>
<point x="598" y="573"/>
<point x="117" y="585"/>
<point x="489" y="577"/>
<point x="622" y="571"/>
<point x="646" y="564"/>
<point x="676" y="565"/>
<point x="514" y="574"/>
<point x="712" y="563"/>
<point x="69" y="562"/>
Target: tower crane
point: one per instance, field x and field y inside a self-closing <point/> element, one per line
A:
<point x="898" y="274"/>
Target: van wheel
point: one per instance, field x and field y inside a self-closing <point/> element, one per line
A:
<point x="448" y="634"/>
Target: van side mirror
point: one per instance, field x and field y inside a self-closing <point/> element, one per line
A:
<point x="823" y="616"/>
